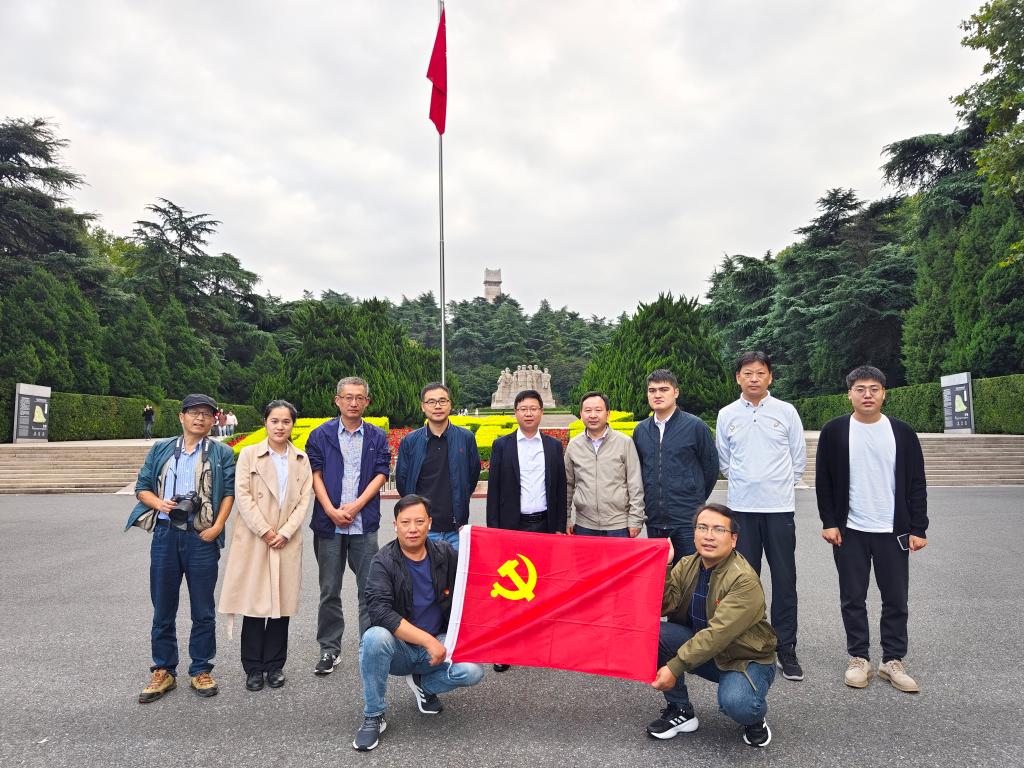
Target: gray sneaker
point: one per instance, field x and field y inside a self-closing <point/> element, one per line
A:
<point x="368" y="735"/>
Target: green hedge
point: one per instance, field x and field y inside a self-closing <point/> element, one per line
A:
<point x="104" y="417"/>
<point x="997" y="406"/>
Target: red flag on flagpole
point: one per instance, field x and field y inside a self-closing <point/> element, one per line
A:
<point x="437" y="73"/>
<point x="579" y="603"/>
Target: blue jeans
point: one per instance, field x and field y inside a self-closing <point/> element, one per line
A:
<point x="452" y="537"/>
<point x="174" y="554"/>
<point x="618" y="533"/>
<point x="382" y="654"/>
<point x="331" y="554"/>
<point x="742" y="697"/>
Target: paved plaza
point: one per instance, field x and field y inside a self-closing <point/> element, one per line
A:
<point x="74" y="653"/>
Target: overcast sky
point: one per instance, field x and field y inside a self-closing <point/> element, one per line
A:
<point x="596" y="152"/>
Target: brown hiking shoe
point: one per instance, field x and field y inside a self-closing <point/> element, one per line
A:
<point x="858" y="673"/>
<point x="160" y="683"/>
<point x="896" y="673"/>
<point x="204" y="684"/>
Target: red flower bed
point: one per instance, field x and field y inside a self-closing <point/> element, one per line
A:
<point x="394" y="438"/>
<point x="559" y="434"/>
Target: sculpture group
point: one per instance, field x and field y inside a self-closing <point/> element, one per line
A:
<point x="511" y="383"/>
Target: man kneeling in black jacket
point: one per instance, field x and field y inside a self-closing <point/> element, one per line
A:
<point x="409" y="598"/>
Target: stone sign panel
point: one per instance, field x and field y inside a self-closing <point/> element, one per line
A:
<point x="31" y="413"/>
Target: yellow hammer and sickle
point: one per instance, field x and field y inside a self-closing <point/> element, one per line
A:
<point x="524" y="589"/>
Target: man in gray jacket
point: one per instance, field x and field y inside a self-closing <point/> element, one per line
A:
<point x="602" y="472"/>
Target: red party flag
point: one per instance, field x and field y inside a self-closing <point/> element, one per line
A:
<point x="437" y="73"/>
<point x="587" y="604"/>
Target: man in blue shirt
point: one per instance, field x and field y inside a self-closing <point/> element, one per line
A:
<point x="350" y="462"/>
<point x="409" y="593"/>
<point x="185" y="490"/>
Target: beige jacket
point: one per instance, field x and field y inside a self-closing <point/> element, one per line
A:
<point x="258" y="580"/>
<point x="605" y="488"/>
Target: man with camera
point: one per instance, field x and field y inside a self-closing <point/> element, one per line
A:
<point x="185" y="490"/>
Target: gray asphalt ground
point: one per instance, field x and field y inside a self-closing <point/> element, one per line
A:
<point x="74" y="653"/>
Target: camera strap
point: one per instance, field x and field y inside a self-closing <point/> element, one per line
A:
<point x="179" y="444"/>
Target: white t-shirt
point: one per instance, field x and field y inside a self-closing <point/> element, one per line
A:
<point x="872" y="476"/>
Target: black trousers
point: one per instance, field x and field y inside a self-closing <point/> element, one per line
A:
<point x="854" y="560"/>
<point x="534" y="523"/>
<point x="681" y="537"/>
<point x="264" y="644"/>
<point x="774" y="534"/>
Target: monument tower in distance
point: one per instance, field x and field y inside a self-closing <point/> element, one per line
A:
<point x="492" y="284"/>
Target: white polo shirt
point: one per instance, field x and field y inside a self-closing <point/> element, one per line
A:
<point x="761" y="450"/>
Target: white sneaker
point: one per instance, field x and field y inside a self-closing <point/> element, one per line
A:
<point x="858" y="673"/>
<point x="896" y="674"/>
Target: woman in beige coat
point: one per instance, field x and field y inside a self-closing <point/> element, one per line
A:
<point x="273" y="490"/>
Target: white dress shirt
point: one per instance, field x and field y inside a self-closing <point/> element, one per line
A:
<point x="533" y="496"/>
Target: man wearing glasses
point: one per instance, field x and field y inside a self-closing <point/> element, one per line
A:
<point x="716" y="629"/>
<point x="440" y="461"/>
<point x="350" y="461"/>
<point x="526" y="484"/>
<point x="873" y="504"/>
<point x="185" y="490"/>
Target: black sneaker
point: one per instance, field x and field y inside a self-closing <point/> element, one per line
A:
<point x="502" y="667"/>
<point x="328" y="661"/>
<point x="757" y="735"/>
<point x="368" y="735"/>
<point x="673" y="721"/>
<point x="789" y="663"/>
<point x="428" y="703"/>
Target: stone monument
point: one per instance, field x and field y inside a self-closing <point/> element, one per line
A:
<point x="511" y="383"/>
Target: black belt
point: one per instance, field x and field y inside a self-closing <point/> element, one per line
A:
<point x="533" y="516"/>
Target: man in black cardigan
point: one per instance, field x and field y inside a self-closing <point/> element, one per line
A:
<point x="526" y="479"/>
<point x="873" y="505"/>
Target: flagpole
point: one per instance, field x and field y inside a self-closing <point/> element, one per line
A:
<point x="440" y="201"/>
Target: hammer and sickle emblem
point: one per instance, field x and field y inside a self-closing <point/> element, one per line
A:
<point x="524" y="589"/>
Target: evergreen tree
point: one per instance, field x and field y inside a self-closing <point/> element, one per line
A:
<point x="669" y="333"/>
<point x="137" y="356"/>
<point x="192" y="364"/>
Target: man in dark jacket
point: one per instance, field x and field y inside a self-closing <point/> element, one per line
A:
<point x="679" y="463"/>
<point x="409" y="594"/>
<point x="873" y="504"/>
<point x="526" y="480"/>
<point x="440" y="461"/>
<point x="350" y="462"/>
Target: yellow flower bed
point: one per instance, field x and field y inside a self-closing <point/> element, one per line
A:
<point x="614" y="417"/>
<point x="483" y="421"/>
<point x="625" y="427"/>
<point x="485" y="436"/>
<point x="302" y="429"/>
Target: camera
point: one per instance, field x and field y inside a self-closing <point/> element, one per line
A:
<point x="186" y="505"/>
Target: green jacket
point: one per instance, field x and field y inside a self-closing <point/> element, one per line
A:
<point x="221" y="465"/>
<point x="737" y="632"/>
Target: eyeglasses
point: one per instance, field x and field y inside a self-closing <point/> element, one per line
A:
<point x="718" y="530"/>
<point x="352" y="398"/>
<point x="435" y="401"/>
<point x="197" y="413"/>
<point x="528" y="409"/>
<point x="861" y="391"/>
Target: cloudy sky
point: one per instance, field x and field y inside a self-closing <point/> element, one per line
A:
<point x="597" y="152"/>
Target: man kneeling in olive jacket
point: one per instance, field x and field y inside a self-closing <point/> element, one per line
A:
<point x="716" y="629"/>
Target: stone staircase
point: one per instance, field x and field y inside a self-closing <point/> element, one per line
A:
<point x="961" y="460"/>
<point x="106" y="467"/>
<point x="70" y="467"/>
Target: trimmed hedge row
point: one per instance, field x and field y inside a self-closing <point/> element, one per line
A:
<point x="105" y="417"/>
<point x="997" y="406"/>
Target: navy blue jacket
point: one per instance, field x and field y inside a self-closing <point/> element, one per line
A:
<point x="463" y="466"/>
<point x="325" y="456"/>
<point x="679" y="470"/>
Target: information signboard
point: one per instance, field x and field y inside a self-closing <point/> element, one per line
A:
<point x="31" y="413"/>
<point x="958" y="403"/>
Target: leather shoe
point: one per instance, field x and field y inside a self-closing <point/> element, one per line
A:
<point x="254" y="681"/>
<point x="275" y="678"/>
<point x="502" y="667"/>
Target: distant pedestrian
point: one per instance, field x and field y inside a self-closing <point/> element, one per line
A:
<point x="222" y="423"/>
<point x="148" y="415"/>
